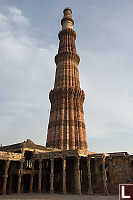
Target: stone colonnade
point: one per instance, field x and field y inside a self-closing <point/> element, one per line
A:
<point x="76" y="176"/>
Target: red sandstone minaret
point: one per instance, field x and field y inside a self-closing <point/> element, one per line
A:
<point x="66" y="129"/>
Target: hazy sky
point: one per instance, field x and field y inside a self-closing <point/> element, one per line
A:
<point x="28" y="43"/>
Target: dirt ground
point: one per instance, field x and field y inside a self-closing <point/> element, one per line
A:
<point x="35" y="196"/>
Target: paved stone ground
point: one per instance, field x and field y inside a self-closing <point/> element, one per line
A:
<point x="35" y="196"/>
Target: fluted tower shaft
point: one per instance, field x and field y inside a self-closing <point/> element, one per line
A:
<point x="66" y="129"/>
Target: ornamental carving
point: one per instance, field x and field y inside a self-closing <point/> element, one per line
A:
<point x="67" y="56"/>
<point x="65" y="32"/>
<point x="68" y="93"/>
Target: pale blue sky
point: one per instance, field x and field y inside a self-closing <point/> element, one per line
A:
<point x="28" y="44"/>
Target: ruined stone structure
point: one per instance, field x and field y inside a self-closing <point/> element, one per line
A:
<point x="65" y="165"/>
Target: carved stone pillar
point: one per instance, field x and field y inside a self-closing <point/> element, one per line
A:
<point x="31" y="182"/>
<point x="19" y="183"/>
<point x="104" y="175"/>
<point x="7" y="163"/>
<point x="31" y="178"/>
<point x="52" y="176"/>
<point x="20" y="176"/>
<point x="4" y="183"/>
<point x="77" y="176"/>
<point x="90" y="191"/>
<point x="64" y="175"/>
<point x="40" y="176"/>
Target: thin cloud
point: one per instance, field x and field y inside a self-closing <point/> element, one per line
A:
<point x="17" y="16"/>
<point x="25" y="69"/>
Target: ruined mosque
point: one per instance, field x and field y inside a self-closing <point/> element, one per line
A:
<point x="64" y="165"/>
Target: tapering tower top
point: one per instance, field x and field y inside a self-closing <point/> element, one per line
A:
<point x="67" y="20"/>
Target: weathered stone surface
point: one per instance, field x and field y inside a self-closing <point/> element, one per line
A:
<point x="66" y="129"/>
<point x="10" y="156"/>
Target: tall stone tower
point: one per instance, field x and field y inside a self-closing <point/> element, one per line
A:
<point x="66" y="129"/>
